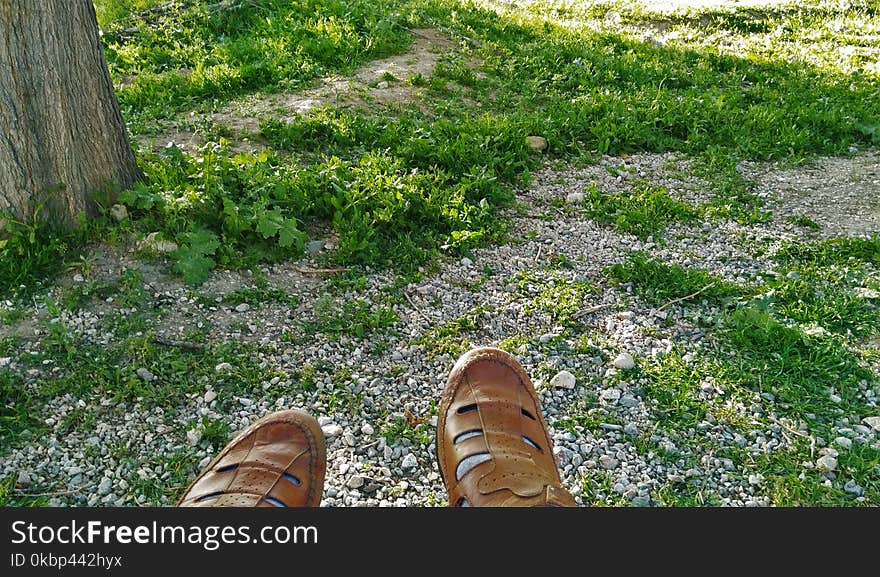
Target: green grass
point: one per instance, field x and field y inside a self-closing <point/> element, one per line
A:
<point x="801" y="372"/>
<point x="657" y="282"/>
<point x="644" y="211"/>
<point x="356" y="317"/>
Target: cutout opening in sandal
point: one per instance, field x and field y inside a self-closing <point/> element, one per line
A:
<point x="528" y="414"/>
<point x="462" y="502"/>
<point x="292" y="479"/>
<point x="469" y="462"/>
<point x="274" y="501"/>
<point x="209" y="496"/>
<point x="228" y="468"/>
<point x="466" y="409"/>
<point x="467" y="435"/>
<point x="532" y="443"/>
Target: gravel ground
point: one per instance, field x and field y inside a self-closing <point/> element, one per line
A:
<point x="406" y="377"/>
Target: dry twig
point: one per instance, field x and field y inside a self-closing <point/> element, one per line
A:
<point x="304" y="270"/>
<point x="684" y="298"/>
<point x="589" y="311"/>
<point x="179" y="344"/>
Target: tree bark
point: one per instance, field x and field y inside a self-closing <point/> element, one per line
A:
<point x="63" y="142"/>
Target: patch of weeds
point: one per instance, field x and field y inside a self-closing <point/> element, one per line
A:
<point x="829" y="253"/>
<point x="402" y="428"/>
<point x="789" y="484"/>
<point x="657" y="282"/>
<point x="80" y="295"/>
<point x="685" y="495"/>
<point x="732" y="193"/>
<point x="812" y="378"/>
<point x="803" y="221"/>
<point x="596" y="488"/>
<point x="215" y="431"/>
<point x="182" y="465"/>
<point x="11" y="316"/>
<point x="9" y="497"/>
<point x="34" y="251"/>
<point x="355" y="317"/>
<point x="673" y="386"/>
<point x="815" y="303"/>
<point x="19" y="408"/>
<point x="448" y="338"/>
<point x="260" y="293"/>
<point x="644" y="211"/>
<point x="558" y="261"/>
<point x="553" y="293"/>
<point x="79" y="419"/>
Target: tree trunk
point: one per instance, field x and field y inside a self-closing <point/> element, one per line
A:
<point x="63" y="142"/>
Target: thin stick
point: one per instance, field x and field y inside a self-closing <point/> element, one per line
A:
<point x="538" y="254"/>
<point x="52" y="494"/>
<point x="415" y="308"/>
<point x="180" y="344"/>
<point x="319" y="270"/>
<point x="589" y="311"/>
<point x="690" y="296"/>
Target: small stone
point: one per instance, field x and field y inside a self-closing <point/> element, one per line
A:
<point x="245" y="402"/>
<point x="827" y="463"/>
<point x="193" y="436"/>
<point x="466" y="262"/>
<point x="210" y="396"/>
<point x="631" y="429"/>
<point x="574" y="197"/>
<point x="331" y="430"/>
<point x="105" y="486"/>
<point x="349" y="439"/>
<point x="119" y="212"/>
<point x="843" y="442"/>
<point x="78" y="278"/>
<point x="396" y="356"/>
<point x="607" y="462"/>
<point x="835" y="398"/>
<point x="852" y="487"/>
<point x="383" y="85"/>
<point x="223" y="368"/>
<point x="546" y="338"/>
<point x="867" y="293"/>
<point x="563" y="380"/>
<point x="610" y="395"/>
<point x="24" y="478"/>
<point x="367" y="429"/>
<point x="537" y="142"/>
<point x="355" y="482"/>
<point x="204" y="462"/>
<point x="5" y="361"/>
<point x="756" y="479"/>
<point x="629" y="402"/>
<point x="792" y="275"/>
<point x="610" y="427"/>
<point x="641" y="501"/>
<point x="154" y="243"/>
<point x="815" y="331"/>
<point x="624" y="361"/>
<point x="313" y="247"/>
<point x="243" y="308"/>
<point x="146" y="375"/>
<point x="409" y="462"/>
<point x="873" y="422"/>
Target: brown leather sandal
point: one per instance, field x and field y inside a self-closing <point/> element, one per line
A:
<point x="493" y="446"/>
<point x="279" y="461"/>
